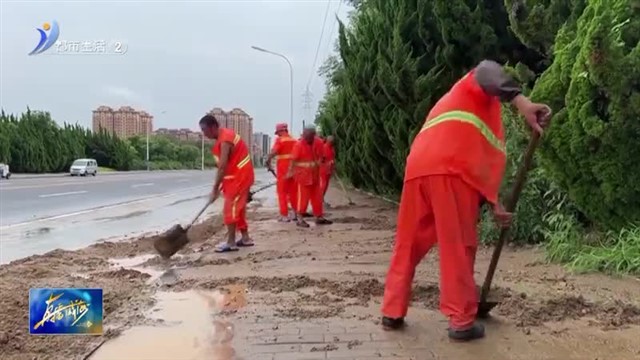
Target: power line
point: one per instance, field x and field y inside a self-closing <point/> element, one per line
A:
<point x="330" y="42"/>
<point x="315" y="59"/>
<point x="333" y="28"/>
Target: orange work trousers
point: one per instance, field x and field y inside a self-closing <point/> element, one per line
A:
<point x="286" y="189"/>
<point x="440" y="209"/>
<point x="324" y="183"/>
<point x="235" y="209"/>
<point x="309" y="193"/>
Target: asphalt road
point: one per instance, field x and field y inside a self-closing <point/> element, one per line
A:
<point x="24" y="200"/>
<point x="41" y="214"/>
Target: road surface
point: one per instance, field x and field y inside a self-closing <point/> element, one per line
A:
<point x="41" y="214"/>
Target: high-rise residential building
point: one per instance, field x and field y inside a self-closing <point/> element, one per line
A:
<point x="237" y="120"/>
<point x="261" y="147"/>
<point x="266" y="144"/>
<point x="123" y="122"/>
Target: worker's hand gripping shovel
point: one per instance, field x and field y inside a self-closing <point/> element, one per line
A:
<point x="176" y="238"/>
<point x="485" y="306"/>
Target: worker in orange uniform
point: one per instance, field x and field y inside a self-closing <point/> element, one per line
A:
<point x="282" y="150"/>
<point x="326" y="171"/>
<point x="234" y="178"/>
<point x="456" y="163"/>
<point x="308" y="155"/>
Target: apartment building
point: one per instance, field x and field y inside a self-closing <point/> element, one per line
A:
<point x="261" y="147"/>
<point x="237" y="120"/>
<point x="123" y="122"/>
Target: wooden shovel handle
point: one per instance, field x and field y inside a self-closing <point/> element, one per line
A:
<point x="510" y="206"/>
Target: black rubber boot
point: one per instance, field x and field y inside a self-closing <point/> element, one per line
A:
<point x="323" y="221"/>
<point x="392" y="324"/>
<point x="473" y="333"/>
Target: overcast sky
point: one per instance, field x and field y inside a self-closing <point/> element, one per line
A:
<point x="183" y="58"/>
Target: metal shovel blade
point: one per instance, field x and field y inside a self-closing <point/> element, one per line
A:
<point x="171" y="241"/>
<point x="484" y="308"/>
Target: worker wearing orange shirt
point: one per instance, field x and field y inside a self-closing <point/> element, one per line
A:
<point x="328" y="166"/>
<point x="305" y="169"/>
<point x="234" y="178"/>
<point x="456" y="163"/>
<point x="282" y="150"/>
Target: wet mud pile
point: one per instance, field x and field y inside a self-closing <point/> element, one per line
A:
<point x="529" y="312"/>
<point x="124" y="294"/>
<point x="375" y="222"/>
<point x="333" y="296"/>
<point x="144" y="244"/>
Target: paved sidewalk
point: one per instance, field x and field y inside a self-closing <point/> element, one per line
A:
<point x="325" y="340"/>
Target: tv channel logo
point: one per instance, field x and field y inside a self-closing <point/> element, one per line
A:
<point x="48" y="36"/>
<point x="57" y="311"/>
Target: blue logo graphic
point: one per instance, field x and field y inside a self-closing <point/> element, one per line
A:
<point x="46" y="41"/>
<point x="65" y="311"/>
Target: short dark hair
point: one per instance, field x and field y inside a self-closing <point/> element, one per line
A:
<point x="209" y="120"/>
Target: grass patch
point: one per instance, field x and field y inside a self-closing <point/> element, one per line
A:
<point x="105" y="169"/>
<point x="585" y="251"/>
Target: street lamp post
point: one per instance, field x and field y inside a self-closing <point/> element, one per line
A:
<point x="202" y="152"/>
<point x="290" y="81"/>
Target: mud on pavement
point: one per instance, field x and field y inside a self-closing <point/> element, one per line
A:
<point x="315" y="293"/>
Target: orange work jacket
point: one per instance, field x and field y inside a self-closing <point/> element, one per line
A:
<point x="307" y="161"/>
<point x="283" y="148"/>
<point x="462" y="136"/>
<point x="239" y="172"/>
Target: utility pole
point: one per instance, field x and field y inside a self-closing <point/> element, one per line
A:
<point x="307" y="98"/>
<point x="148" y="126"/>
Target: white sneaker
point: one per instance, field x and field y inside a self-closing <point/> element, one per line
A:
<point x="284" y="219"/>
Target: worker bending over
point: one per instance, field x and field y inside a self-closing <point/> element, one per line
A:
<point x="328" y="166"/>
<point x="282" y="150"/>
<point x="456" y="163"/>
<point x="234" y="178"/>
<point x="305" y="169"/>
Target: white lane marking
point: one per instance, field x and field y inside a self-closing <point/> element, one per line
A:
<point x="139" y="185"/>
<point x="49" y="182"/>
<point x="63" y="194"/>
<point x="62" y="216"/>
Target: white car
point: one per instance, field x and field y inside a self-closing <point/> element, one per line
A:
<point x="4" y="171"/>
<point x="84" y="167"/>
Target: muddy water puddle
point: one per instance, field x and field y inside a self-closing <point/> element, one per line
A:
<point x="194" y="328"/>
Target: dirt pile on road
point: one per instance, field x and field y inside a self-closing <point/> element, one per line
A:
<point x="144" y="244"/>
<point x="125" y="294"/>
<point x="527" y="311"/>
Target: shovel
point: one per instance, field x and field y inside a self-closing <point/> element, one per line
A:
<point x="251" y="193"/>
<point x="344" y="190"/>
<point x="485" y="306"/>
<point x="175" y="238"/>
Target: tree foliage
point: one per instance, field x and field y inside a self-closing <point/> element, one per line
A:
<point x="34" y="143"/>
<point x="397" y="58"/>
<point x="594" y="87"/>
